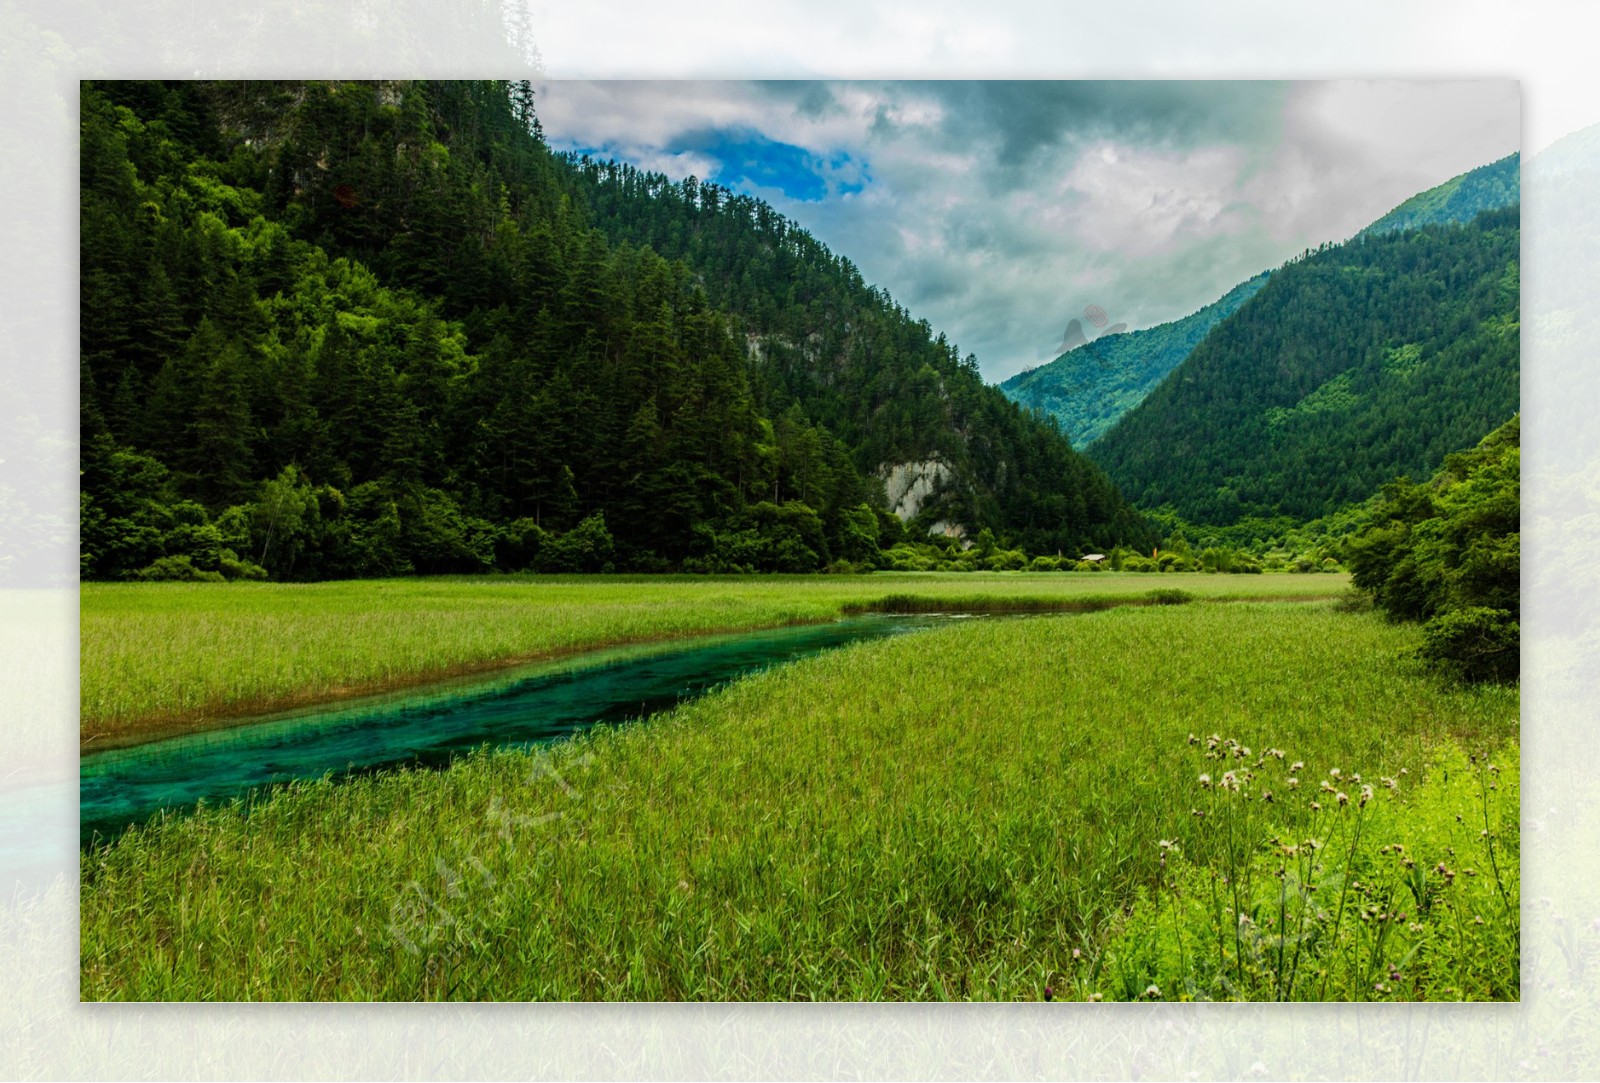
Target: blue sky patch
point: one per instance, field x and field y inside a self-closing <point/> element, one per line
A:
<point x="749" y="160"/>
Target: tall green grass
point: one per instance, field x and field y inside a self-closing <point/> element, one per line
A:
<point x="950" y="814"/>
<point x="154" y="655"/>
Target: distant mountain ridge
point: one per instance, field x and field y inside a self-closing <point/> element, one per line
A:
<point x="1089" y="389"/>
<point x="1459" y="199"/>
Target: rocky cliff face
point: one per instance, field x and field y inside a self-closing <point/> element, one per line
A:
<point x="909" y="485"/>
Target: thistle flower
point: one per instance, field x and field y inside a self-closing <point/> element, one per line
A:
<point x="1316" y="807"/>
<point x="1342" y="798"/>
<point x="1388" y="783"/>
<point x="1205" y="781"/>
<point x="1334" y="771"/>
<point x="1153" y="991"/>
<point x="1366" y="795"/>
<point x="1292" y="783"/>
<point x="1297" y="766"/>
<point x="1193" y="740"/>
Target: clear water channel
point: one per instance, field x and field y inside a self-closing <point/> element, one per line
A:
<point x="431" y="726"/>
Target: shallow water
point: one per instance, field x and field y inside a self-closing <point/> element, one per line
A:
<point x="430" y="727"/>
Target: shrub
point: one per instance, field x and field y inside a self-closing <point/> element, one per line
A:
<point x="1473" y="644"/>
<point x="179" y="568"/>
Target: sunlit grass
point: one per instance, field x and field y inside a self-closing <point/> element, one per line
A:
<point x="947" y="814"/>
<point x="160" y="653"/>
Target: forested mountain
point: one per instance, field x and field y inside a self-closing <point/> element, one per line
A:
<point x="337" y="329"/>
<point x="1459" y="199"/>
<point x="1087" y="389"/>
<point x="1353" y="364"/>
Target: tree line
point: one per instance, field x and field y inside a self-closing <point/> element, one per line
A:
<point x="354" y="329"/>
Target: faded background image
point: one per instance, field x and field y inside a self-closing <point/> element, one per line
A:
<point x="44" y="52"/>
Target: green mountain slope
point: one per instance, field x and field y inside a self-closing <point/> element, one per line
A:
<point x="1089" y="388"/>
<point x="1352" y="365"/>
<point x="338" y="329"/>
<point x="1459" y="199"/>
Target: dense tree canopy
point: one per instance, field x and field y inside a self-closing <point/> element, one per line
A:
<point x="1448" y="553"/>
<point x="1353" y="364"/>
<point x="343" y="329"/>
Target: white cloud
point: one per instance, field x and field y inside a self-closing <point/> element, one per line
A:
<point x="1000" y="211"/>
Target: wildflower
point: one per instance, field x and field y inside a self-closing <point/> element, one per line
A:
<point x="1213" y="741"/>
<point x="1327" y="787"/>
<point x="1275" y="753"/>
<point x="1316" y="807"/>
<point x="1366" y="795"/>
<point x="1292" y="783"/>
<point x="1342" y="798"/>
<point x="1154" y="991"/>
<point x="1076" y="954"/>
<point x="1334" y="771"/>
<point x="1296" y="766"/>
<point x="1229" y="781"/>
<point x="1049" y="993"/>
<point x="1205" y="781"/>
<point x="1197" y="813"/>
<point x="1096" y="996"/>
<point x="1193" y="740"/>
<point x="1266" y="795"/>
<point x="1388" y="783"/>
<point x="1404" y="772"/>
<point x="1477" y="919"/>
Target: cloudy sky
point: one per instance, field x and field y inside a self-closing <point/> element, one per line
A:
<point x="999" y="211"/>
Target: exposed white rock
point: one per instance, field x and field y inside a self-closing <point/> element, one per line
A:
<point x="908" y="485"/>
<point x="945" y="528"/>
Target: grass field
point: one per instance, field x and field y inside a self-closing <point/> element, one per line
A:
<point x="971" y="812"/>
<point x="157" y="657"/>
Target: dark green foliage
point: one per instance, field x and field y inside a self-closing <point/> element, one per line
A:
<point x="1087" y="389"/>
<point x="1475" y="643"/>
<point x="1448" y="553"/>
<point x="1352" y="365"/>
<point x="380" y="329"/>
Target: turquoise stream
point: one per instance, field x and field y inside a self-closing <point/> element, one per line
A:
<point x="431" y="726"/>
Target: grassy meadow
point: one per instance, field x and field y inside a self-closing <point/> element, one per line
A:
<point x="1006" y="810"/>
<point x="159" y="656"/>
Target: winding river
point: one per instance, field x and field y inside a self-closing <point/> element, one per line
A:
<point x="429" y="727"/>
